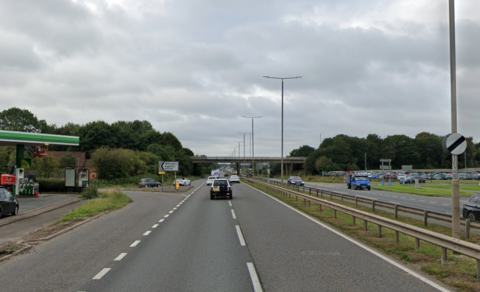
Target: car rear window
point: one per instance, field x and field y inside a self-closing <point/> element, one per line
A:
<point x="220" y="183"/>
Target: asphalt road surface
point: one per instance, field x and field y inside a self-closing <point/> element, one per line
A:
<point x="174" y="242"/>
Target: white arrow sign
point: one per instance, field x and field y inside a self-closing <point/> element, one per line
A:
<point x="456" y="143"/>
<point x="168" y="166"/>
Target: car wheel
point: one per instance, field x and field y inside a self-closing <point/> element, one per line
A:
<point x="368" y="188"/>
<point x="471" y="216"/>
<point x="15" y="212"/>
<point x="230" y="197"/>
<point x="211" y="197"/>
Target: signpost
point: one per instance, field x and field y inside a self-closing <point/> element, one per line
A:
<point x="164" y="166"/>
<point x="456" y="145"/>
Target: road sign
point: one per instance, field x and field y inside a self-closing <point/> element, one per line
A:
<point x="168" y="166"/>
<point x="456" y="143"/>
<point x="385" y="160"/>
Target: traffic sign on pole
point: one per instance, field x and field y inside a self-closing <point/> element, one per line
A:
<point x="456" y="143"/>
<point x="168" y="166"/>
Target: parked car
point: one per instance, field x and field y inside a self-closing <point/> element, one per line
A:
<point x="234" y="178"/>
<point x="221" y="188"/>
<point x="411" y="179"/>
<point x="149" y="183"/>
<point x="439" y="176"/>
<point x="210" y="180"/>
<point x="471" y="208"/>
<point x="295" y="180"/>
<point x="182" y="181"/>
<point x="8" y="203"/>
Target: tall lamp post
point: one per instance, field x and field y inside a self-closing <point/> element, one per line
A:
<point x="281" y="160"/>
<point x="253" y="140"/>
<point x="243" y="145"/>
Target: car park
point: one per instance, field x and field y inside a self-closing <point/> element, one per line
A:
<point x="8" y="203"/>
<point x="210" y="180"/>
<point x="221" y="188"/>
<point x="295" y="180"/>
<point x="234" y="178"/>
<point x="411" y="179"/>
<point x="149" y="183"/>
<point x="471" y="208"/>
<point x="183" y="181"/>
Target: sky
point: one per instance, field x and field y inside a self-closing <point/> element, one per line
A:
<point x="195" y="68"/>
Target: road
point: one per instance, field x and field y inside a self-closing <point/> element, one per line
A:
<point x="170" y="242"/>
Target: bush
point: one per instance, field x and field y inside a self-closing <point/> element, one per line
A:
<point x="51" y="185"/>
<point x="90" y="192"/>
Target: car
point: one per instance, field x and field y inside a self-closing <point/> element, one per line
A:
<point x="471" y="208"/>
<point x="8" y="203"/>
<point x="295" y="180"/>
<point x="411" y="179"/>
<point x="221" y="188"/>
<point x="225" y="175"/>
<point x="210" y="180"/>
<point x="234" y="178"/>
<point x="182" y="181"/>
<point x="149" y="183"/>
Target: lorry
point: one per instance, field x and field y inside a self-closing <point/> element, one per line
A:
<point x="357" y="181"/>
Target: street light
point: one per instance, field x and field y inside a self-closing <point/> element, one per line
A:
<point x="253" y="143"/>
<point x="282" y="78"/>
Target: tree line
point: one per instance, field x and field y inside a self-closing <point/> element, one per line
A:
<point x="342" y="152"/>
<point x="120" y="149"/>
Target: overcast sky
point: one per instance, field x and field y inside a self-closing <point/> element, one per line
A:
<point x="194" y="68"/>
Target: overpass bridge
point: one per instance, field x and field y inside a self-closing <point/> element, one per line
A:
<point x="288" y="161"/>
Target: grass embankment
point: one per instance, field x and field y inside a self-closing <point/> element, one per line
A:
<point x="460" y="272"/>
<point x="426" y="190"/>
<point x="106" y="201"/>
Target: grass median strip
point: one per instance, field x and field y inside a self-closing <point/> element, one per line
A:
<point x="460" y="272"/>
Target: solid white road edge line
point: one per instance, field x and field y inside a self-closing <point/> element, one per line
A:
<point x="253" y="275"/>
<point x="240" y="235"/>
<point x="135" y="243"/>
<point x="367" y="248"/>
<point x="233" y="214"/>
<point x="147" y="233"/>
<point x="120" y="257"/>
<point x="101" y="274"/>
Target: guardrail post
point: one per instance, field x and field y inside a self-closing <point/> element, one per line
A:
<point x="353" y="220"/>
<point x="309" y="191"/>
<point x="296" y="198"/>
<point x="304" y="201"/>
<point x="309" y="203"/>
<point x="342" y="198"/>
<point x="397" y="236"/>
<point x="331" y="196"/>
<point x="396" y="211"/>
<point x="425" y="218"/>
<point x="320" y="207"/>
<point x="478" y="269"/>
<point x="334" y="213"/>
<point x="467" y="229"/>
<point x="373" y="205"/>
<point x="321" y="193"/>
<point x="356" y="202"/>
<point x="365" y="225"/>
<point x="417" y="243"/>
<point x="303" y="188"/>
<point x="379" y="231"/>
<point x="444" y="257"/>
<point x="317" y="193"/>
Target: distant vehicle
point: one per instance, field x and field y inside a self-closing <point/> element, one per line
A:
<point x="295" y="180"/>
<point x="439" y="176"/>
<point x="221" y="188"/>
<point x="225" y="175"/>
<point x="8" y="204"/>
<point x="210" y="180"/>
<point x="471" y="208"/>
<point x="357" y="182"/>
<point x="182" y="181"/>
<point x="149" y="183"/>
<point x="250" y="172"/>
<point x="234" y="178"/>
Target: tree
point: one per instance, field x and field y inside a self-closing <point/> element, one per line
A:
<point x="324" y="164"/>
<point x="15" y="119"/>
<point x="67" y="161"/>
<point x="114" y="163"/>
<point x="303" y="151"/>
<point x="45" y="166"/>
<point x="95" y="135"/>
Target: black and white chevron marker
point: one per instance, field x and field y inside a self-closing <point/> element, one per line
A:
<point x="456" y="143"/>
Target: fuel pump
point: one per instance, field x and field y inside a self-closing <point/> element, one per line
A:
<point x="20" y="176"/>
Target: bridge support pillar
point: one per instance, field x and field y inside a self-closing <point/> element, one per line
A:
<point x="238" y="167"/>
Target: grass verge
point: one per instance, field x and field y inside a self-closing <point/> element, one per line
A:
<point x="459" y="273"/>
<point x="111" y="200"/>
<point x="424" y="190"/>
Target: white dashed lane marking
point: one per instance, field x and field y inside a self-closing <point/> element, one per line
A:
<point x="240" y="235"/>
<point x="155" y="226"/>
<point x="147" y="233"/>
<point x="135" y="243"/>
<point x="233" y="214"/>
<point x="120" y="257"/>
<point x="101" y="274"/>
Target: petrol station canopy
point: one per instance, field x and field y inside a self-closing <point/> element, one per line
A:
<point x="9" y="138"/>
